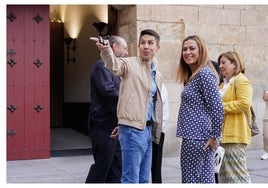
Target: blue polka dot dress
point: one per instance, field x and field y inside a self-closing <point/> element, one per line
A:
<point x="200" y="118"/>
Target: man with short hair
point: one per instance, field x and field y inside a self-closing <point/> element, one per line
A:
<point x="140" y="109"/>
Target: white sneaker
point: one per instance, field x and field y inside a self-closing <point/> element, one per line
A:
<point x="264" y="156"/>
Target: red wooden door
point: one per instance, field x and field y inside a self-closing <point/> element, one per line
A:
<point x="28" y="103"/>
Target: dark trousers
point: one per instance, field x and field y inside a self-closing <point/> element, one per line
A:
<point x="107" y="167"/>
<point x="216" y="178"/>
<point x="157" y="160"/>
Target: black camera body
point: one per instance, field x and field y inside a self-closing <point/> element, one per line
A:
<point x="101" y="40"/>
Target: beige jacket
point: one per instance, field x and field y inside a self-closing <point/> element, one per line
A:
<point x="134" y="92"/>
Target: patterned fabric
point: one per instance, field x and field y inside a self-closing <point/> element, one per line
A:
<point x="201" y="110"/>
<point x="200" y="118"/>
<point x="234" y="167"/>
<point x="196" y="163"/>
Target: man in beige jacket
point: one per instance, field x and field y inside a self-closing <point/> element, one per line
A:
<point x="140" y="108"/>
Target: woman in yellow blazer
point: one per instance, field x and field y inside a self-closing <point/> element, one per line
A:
<point x="236" y="92"/>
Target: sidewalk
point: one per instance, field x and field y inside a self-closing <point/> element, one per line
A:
<point x="74" y="169"/>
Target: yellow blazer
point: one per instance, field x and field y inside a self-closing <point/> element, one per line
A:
<point x="235" y="102"/>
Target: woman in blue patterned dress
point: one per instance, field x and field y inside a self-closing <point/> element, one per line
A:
<point x="201" y="112"/>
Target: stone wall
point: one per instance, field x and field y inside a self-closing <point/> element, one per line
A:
<point x="243" y="28"/>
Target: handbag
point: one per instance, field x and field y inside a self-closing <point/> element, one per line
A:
<point x="218" y="157"/>
<point x="253" y="124"/>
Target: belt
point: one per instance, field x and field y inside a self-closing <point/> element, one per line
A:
<point x="149" y="123"/>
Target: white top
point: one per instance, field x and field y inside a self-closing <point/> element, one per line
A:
<point x="165" y="108"/>
<point x="225" y="86"/>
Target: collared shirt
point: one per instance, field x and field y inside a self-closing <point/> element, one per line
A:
<point x="153" y="92"/>
<point x="164" y="96"/>
<point x="225" y="85"/>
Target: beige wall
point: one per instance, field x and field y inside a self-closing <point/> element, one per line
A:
<point x="234" y="27"/>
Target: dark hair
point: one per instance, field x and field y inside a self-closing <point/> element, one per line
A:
<point x="216" y="66"/>
<point x="150" y="32"/>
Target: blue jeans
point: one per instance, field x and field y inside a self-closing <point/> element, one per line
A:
<point x="136" y="147"/>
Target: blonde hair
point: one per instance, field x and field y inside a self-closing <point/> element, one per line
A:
<point x="184" y="73"/>
<point x="235" y="58"/>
